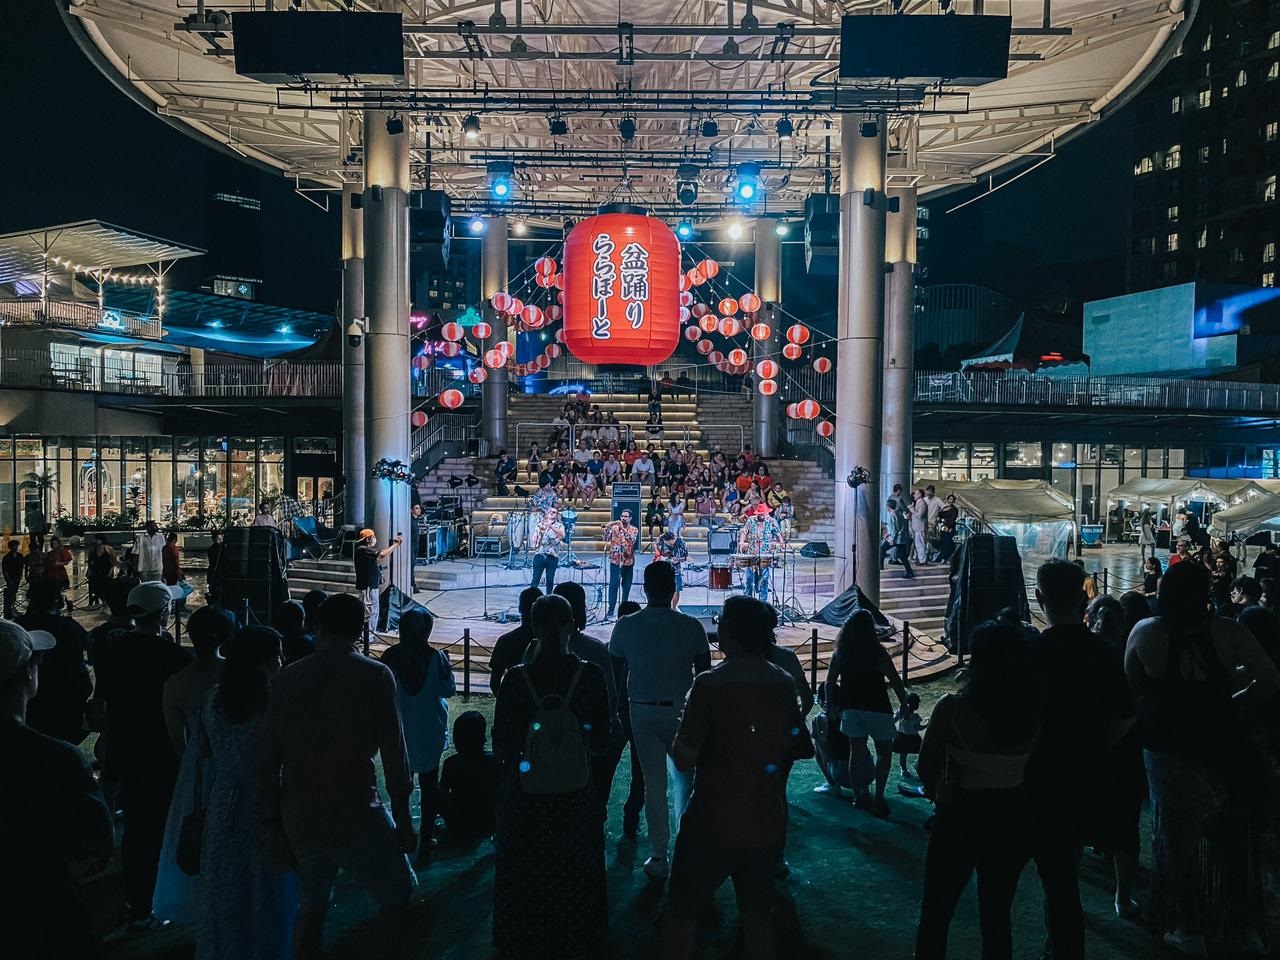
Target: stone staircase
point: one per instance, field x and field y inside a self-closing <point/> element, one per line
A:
<point x="812" y="494"/>
<point x="922" y="601"/>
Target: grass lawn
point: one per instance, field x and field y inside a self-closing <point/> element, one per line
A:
<point x="853" y="891"/>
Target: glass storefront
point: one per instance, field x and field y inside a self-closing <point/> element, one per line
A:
<point x="166" y="479"/>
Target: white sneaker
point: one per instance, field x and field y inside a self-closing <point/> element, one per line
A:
<point x="657" y="867"/>
<point x="1192" y="944"/>
<point x="825" y="787"/>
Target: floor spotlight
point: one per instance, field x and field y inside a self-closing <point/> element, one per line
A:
<point x="471" y="127"/>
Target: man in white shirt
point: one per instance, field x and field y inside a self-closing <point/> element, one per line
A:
<point x="148" y="550"/>
<point x="608" y="433"/>
<point x="642" y="469"/>
<point x="663" y="650"/>
<point x="581" y="453"/>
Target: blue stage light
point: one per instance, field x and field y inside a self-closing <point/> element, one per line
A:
<point x="477" y="225"/>
<point x="684" y="230"/>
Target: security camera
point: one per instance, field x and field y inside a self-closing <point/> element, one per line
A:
<point x="355" y="333"/>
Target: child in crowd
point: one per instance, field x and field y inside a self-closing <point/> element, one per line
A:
<point x="469" y="780"/>
<point x="908" y="725"/>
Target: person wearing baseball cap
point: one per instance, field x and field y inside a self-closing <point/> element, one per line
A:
<point x="54" y="813"/>
<point x="368" y="562"/>
<point x="131" y="675"/>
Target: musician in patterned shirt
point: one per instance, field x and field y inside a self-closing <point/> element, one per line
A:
<point x="672" y="548"/>
<point x="619" y="538"/>
<point x="761" y="537"/>
<point x="546" y="497"/>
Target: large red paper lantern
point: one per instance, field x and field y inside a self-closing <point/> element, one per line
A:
<point x="709" y="268"/>
<point x="478" y="375"/>
<point x="825" y="428"/>
<point x="728" y="305"/>
<point x="482" y="331"/>
<point x="767" y="388"/>
<point x="768" y="369"/>
<point x="749" y="302"/>
<point x="418" y="418"/>
<point x="760" y="331"/>
<point x="705" y="347"/>
<point x="737" y="356"/>
<point x="451" y="399"/>
<point x="730" y="327"/>
<point x="798" y="333"/>
<point x="792" y="351"/>
<point x="451" y="331"/>
<point x="692" y="333"/>
<point x="807" y="409"/>
<point x="822" y="364"/>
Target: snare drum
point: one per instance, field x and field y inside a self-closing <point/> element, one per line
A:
<point x="720" y="578"/>
<point x="519" y="528"/>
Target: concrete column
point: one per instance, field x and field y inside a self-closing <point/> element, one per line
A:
<point x="860" y="348"/>
<point x="899" y="340"/>
<point x="493" y="277"/>
<point x="386" y="343"/>
<point x="354" y="466"/>
<point x="769" y="290"/>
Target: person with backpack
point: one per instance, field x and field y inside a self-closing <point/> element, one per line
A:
<point x="549" y="880"/>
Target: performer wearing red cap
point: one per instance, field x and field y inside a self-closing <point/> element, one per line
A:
<point x="759" y="543"/>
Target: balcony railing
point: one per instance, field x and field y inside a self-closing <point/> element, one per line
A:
<point x="78" y="315"/>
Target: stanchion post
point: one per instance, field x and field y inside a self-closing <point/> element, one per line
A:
<point x="366" y="638"/>
<point x="1106" y="581"/>
<point x="813" y="658"/>
<point x="906" y="644"/>
<point x="466" y="663"/>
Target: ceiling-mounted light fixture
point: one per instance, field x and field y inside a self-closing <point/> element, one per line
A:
<point x="501" y="182"/>
<point x="785" y="129"/>
<point x="471" y="126"/>
<point x="684" y="230"/>
<point x="558" y="126"/>
<point x="710" y="128"/>
<point x="687" y="183"/>
<point x="395" y="124"/>
<point x="627" y="129"/>
<point x="735" y="230"/>
<point x="748" y="182"/>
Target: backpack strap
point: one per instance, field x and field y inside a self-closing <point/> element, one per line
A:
<point x="528" y="682"/>
<point x="568" y="696"/>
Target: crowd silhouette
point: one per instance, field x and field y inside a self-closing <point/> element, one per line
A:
<point x="250" y="766"/>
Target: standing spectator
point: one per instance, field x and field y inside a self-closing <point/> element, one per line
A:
<point x="51" y="815"/>
<point x="368" y="562"/>
<point x="634" y="803"/>
<point x="1185" y="667"/>
<point x="619" y="538"/>
<point x="170" y="560"/>
<point x="55" y="560"/>
<point x="263" y="517"/>
<point x="330" y="714"/>
<point x="296" y="640"/>
<point x="247" y="904"/>
<point x="1085" y="709"/>
<point x="176" y="896"/>
<point x="509" y="649"/>
<point x="948" y="519"/>
<point x="785" y="514"/>
<point x="311" y="602"/>
<point x="213" y="591"/>
<point x="37" y="526"/>
<point x="972" y="763"/>
<point x="100" y="567"/>
<point x="549" y="881"/>
<point x="131" y="672"/>
<point x="424" y="684"/>
<point x="12" y="565"/>
<point x="469" y="780"/>
<point x="1151" y="574"/>
<point x="58" y="708"/>
<point x="740" y="734"/>
<point x="919" y="526"/>
<point x="855" y="686"/>
<point x="148" y="552"/>
<point x="663" y="650"/>
<point x="897" y="537"/>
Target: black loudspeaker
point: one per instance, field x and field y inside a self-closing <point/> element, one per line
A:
<point x="328" y="47"/>
<point x="987" y="578"/>
<point x="815" y="549"/>
<point x="822" y="234"/>
<point x="968" y="49"/>
<point x="393" y="604"/>
<point x="251" y="570"/>
<point x="838" y="611"/>
<point x="429" y="231"/>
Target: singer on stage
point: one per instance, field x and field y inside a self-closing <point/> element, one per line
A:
<point x="547" y="541"/>
<point x="759" y="544"/>
<point x="619" y="538"/>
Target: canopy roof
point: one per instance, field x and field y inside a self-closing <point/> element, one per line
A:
<point x="1257" y="513"/>
<point x="1030" y="345"/>
<point x="671" y="66"/>
<point x="1152" y="490"/>
<point x="91" y="244"/>
<point x="1008" y="501"/>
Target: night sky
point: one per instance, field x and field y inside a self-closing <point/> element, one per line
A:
<point x="80" y="149"/>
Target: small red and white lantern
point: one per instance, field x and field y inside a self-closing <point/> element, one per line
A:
<point x="705" y="347"/>
<point x="737" y="356"/>
<point x="767" y="369"/>
<point x="798" y="334"/>
<point x="715" y="356"/>
<point x="807" y="409"/>
<point x="482" y="331"/>
<point x="730" y="327"/>
<point x="709" y="268"/>
<point x="709" y="323"/>
<point x="825" y="428"/>
<point x="493" y="359"/>
<point x="767" y="388"/>
<point x="544" y="266"/>
<point x="822" y="364"/>
<point x="501" y="301"/>
<point x="450" y="349"/>
<point x="554" y="350"/>
<point x="692" y="333"/>
<point x="418" y="418"/>
<point x="696" y="277"/>
<point x="791" y="410"/>
<point x="728" y="305"/>
<point x="478" y="375"/>
<point x="451" y="399"/>
<point x="700" y="309"/>
<point x="451" y="331"/>
<point x="761" y="331"/>
<point x="421" y="362"/>
<point x="792" y="351"/>
<point x="749" y="302"/>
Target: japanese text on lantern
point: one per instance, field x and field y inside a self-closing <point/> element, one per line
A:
<point x="635" y="282"/>
<point x="602" y="285"/>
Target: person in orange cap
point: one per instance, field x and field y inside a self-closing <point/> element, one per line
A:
<point x="368" y="563"/>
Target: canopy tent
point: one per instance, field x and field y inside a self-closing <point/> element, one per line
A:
<point x="1031" y="346"/>
<point x="1169" y="492"/>
<point x="1041" y="518"/>
<point x="1259" y="513"/>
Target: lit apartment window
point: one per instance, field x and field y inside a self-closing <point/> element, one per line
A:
<point x="1224" y="146"/>
<point x="1171" y="243"/>
<point x="1207" y="43"/>
<point x="1269" y="131"/>
<point x="1144" y="245"/>
<point x="1172" y="214"/>
<point x="1274" y="70"/>
<point x="1173" y="157"/>
<point x="1269" y="252"/>
<point x="1273" y="41"/>
<point x="1203" y="154"/>
<point x="1204" y="98"/>
<point x="1144" y="165"/>
<point x="1242" y="78"/>
<point x="1202" y="240"/>
<point x="1269" y="189"/>
<point x="1269" y="279"/>
<point x="922" y="233"/>
<point x="235" y="199"/>
<point x="1175" y="105"/>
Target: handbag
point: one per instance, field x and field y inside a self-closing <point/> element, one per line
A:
<point x="191" y="830"/>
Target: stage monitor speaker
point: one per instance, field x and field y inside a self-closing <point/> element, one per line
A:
<point x="393" y="604"/>
<point x="323" y="47"/>
<point x="720" y="542"/>
<point x="251" y="569"/>
<point x="822" y="234"/>
<point x="815" y="549"/>
<point x="968" y="50"/>
<point x="429" y="232"/>
<point x="838" y="611"/>
<point x="988" y="579"/>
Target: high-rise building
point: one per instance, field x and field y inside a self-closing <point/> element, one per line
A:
<point x="1207" y="154"/>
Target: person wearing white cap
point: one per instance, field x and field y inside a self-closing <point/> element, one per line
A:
<point x="131" y="675"/>
<point x="53" y="815"/>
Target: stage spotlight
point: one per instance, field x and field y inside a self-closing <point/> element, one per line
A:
<point x="501" y="182"/>
<point x="627" y="129"/>
<point x="782" y="228"/>
<point x="687" y="183"/>
<point x="748" y="181"/>
<point x="869" y="128"/>
<point x="519" y="228"/>
<point x="559" y="127"/>
<point x="476" y="225"/>
<point x="735" y="230"/>
<point x="785" y="129"/>
<point x="395" y="125"/>
<point x="684" y="230"/>
<point x="710" y="128"/>
<point x="471" y="127"/>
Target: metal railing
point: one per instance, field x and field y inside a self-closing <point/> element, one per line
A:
<point x="78" y="315"/>
<point x="442" y="428"/>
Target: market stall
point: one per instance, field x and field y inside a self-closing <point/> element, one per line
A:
<point x="1039" y="517"/>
